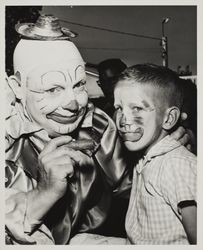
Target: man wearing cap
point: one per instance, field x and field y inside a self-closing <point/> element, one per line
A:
<point x="63" y="157"/>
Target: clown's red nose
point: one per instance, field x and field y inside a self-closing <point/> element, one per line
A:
<point x="72" y="106"/>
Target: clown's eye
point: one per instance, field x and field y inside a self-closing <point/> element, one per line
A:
<point x="79" y="84"/>
<point x="54" y="90"/>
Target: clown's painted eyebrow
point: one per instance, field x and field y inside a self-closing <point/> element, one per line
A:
<point x="78" y="67"/>
<point x="51" y="81"/>
<point x="70" y="77"/>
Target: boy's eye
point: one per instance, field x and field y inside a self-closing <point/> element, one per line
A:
<point x="118" y="108"/>
<point x="137" y="109"/>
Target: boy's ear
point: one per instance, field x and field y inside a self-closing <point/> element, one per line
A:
<point x="171" y="117"/>
<point x="15" y="85"/>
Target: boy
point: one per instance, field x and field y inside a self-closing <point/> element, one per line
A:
<point x="162" y="208"/>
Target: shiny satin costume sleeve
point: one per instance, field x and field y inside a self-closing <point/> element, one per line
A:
<point x="18" y="180"/>
<point x="85" y="205"/>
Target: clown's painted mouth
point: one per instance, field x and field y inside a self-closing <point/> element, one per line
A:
<point x="132" y="136"/>
<point x="57" y="117"/>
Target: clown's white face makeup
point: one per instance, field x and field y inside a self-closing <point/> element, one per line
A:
<point x="138" y="119"/>
<point x="56" y="97"/>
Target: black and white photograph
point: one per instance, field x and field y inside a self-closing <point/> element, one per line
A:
<point x="101" y="134"/>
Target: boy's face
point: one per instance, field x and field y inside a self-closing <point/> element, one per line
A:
<point x="56" y="97"/>
<point x="139" y="115"/>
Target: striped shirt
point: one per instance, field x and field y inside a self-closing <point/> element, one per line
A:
<point x="161" y="180"/>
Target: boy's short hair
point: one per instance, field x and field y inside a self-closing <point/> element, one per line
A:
<point x="165" y="79"/>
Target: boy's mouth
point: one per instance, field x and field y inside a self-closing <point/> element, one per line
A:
<point x="133" y="136"/>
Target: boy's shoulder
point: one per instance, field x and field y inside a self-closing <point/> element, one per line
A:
<point x="174" y="155"/>
<point x="169" y="148"/>
<point x="180" y="161"/>
<point x="181" y="152"/>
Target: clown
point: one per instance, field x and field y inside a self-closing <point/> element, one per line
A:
<point x="54" y="190"/>
<point x="63" y="156"/>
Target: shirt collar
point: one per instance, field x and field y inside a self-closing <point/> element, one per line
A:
<point x="162" y="147"/>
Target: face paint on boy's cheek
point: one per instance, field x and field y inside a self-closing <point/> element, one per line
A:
<point x="138" y="120"/>
<point x="133" y="121"/>
<point x="130" y="131"/>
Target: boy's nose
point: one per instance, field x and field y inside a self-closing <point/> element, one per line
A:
<point x="72" y="106"/>
<point x="126" y="119"/>
<point x="122" y="120"/>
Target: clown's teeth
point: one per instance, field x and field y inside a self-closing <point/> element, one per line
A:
<point x="63" y="112"/>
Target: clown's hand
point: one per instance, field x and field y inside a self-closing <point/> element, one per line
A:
<point x="184" y="136"/>
<point x="180" y="134"/>
<point x="80" y="152"/>
<point x="56" y="167"/>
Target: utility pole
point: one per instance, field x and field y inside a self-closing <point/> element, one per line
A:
<point x="164" y="44"/>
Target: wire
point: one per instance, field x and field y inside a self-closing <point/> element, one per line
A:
<point x="120" y="49"/>
<point x="110" y="30"/>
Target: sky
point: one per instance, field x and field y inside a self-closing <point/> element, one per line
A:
<point x="96" y="45"/>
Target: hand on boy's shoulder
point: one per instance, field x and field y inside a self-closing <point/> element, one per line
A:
<point x="186" y="137"/>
